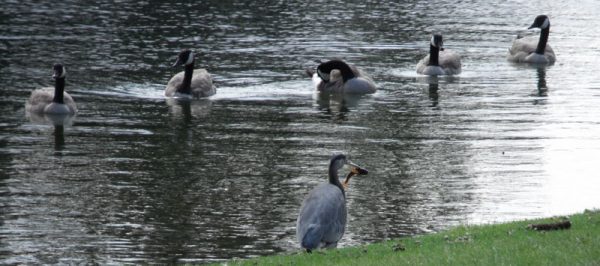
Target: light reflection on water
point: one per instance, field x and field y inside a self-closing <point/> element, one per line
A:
<point x="137" y="178"/>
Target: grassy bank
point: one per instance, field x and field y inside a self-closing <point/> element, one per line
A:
<point x="499" y="244"/>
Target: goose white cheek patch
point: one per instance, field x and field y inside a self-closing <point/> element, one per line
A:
<point x="545" y="24"/>
<point x="64" y="72"/>
<point x="190" y="58"/>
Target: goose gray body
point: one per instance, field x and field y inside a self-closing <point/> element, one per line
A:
<point x="201" y="86"/>
<point x="523" y="51"/>
<point x="52" y="100"/>
<point x="190" y="83"/>
<point x="40" y="101"/>
<point x="444" y="62"/>
<point x="531" y="49"/>
<point x="322" y="218"/>
<point x="338" y="77"/>
<point x="449" y="64"/>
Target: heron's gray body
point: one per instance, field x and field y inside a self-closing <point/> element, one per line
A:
<point x="322" y="218"/>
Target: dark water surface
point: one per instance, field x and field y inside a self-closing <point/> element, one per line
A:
<point x="136" y="178"/>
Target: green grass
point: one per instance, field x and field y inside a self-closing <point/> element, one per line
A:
<point x="496" y="244"/>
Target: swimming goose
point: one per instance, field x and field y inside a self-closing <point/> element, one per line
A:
<point x="52" y="100"/>
<point x="336" y="76"/>
<point x="532" y="49"/>
<point x="191" y="83"/>
<point x="439" y="61"/>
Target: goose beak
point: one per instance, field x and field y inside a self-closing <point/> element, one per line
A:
<point x="323" y="76"/>
<point x="533" y="26"/>
<point x="177" y="63"/>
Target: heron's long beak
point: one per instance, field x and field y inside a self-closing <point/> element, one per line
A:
<point x="354" y="170"/>
<point x="357" y="170"/>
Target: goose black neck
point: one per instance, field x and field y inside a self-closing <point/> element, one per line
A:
<point x="344" y="68"/>
<point x="334" y="179"/>
<point x="543" y="40"/>
<point x="59" y="89"/>
<point x="186" y="85"/>
<point x="434" y="55"/>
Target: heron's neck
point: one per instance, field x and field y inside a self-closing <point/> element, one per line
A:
<point x="541" y="47"/>
<point x="334" y="179"/>
<point x="186" y="85"/>
<point x="434" y="55"/>
<point x="59" y="89"/>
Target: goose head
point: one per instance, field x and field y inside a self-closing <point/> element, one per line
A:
<point x="541" y="22"/>
<point x="437" y="41"/>
<point x="325" y="71"/>
<point x="59" y="71"/>
<point x="185" y="57"/>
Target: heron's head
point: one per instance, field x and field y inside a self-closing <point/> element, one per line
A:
<point x="185" y="57"/>
<point x="59" y="71"/>
<point x="541" y="21"/>
<point x="339" y="160"/>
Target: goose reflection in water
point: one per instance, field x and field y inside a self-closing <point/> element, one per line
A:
<point x="337" y="105"/>
<point x="542" y="89"/>
<point x="188" y="109"/>
<point x="433" y="94"/>
<point x="59" y="121"/>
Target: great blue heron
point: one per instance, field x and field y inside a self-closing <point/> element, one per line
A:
<point x="322" y="218"/>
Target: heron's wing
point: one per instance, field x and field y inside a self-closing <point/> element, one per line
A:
<point x="322" y="216"/>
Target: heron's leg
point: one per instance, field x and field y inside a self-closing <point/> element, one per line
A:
<point x="330" y="244"/>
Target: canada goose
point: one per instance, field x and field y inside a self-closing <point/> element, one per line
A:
<point x="532" y="49"/>
<point x="191" y="83"/>
<point x="322" y="218"/>
<point x="439" y="61"/>
<point x="52" y="100"/>
<point x="336" y="76"/>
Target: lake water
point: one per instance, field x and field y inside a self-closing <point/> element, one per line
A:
<point x="137" y="178"/>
